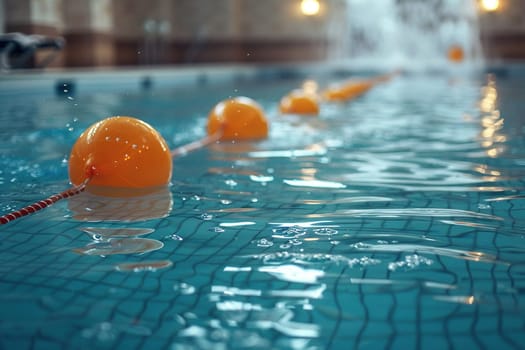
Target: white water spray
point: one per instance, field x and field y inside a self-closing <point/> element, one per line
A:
<point x="408" y="34"/>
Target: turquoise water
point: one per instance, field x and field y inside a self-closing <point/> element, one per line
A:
<point x="394" y="221"/>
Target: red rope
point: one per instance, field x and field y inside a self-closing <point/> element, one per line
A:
<point x="192" y="146"/>
<point x="44" y="203"/>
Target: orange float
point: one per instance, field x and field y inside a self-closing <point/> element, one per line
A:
<point x="455" y="54"/>
<point x="239" y="118"/>
<point x="348" y="90"/>
<point x="116" y="157"/>
<point x="120" y="156"/>
<point x="300" y="102"/>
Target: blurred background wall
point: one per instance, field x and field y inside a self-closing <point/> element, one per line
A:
<point x="150" y="32"/>
<point x="503" y="30"/>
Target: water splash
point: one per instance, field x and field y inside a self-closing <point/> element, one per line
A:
<point x="408" y="34"/>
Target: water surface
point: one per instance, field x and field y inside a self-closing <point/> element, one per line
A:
<point x="396" y="220"/>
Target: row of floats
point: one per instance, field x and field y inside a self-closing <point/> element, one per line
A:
<point x="123" y="156"/>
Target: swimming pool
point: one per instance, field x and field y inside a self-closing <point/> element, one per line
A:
<point x="393" y="221"/>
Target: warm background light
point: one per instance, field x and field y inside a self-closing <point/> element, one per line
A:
<point x="310" y="7"/>
<point x="490" y="5"/>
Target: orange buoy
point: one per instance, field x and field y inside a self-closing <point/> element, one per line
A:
<point x="348" y="90"/>
<point x="239" y="118"/>
<point x="300" y="102"/>
<point x="455" y="54"/>
<point x="121" y="156"/>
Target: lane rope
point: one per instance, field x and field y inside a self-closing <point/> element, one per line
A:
<point x="195" y="145"/>
<point x="44" y="203"/>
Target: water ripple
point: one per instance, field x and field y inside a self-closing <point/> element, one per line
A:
<point x="314" y="183"/>
<point x="348" y="200"/>
<point x="313" y="259"/>
<point x="414" y="248"/>
<point x="313" y="292"/>
<point x="99" y="233"/>
<point x="505" y="198"/>
<point x="313" y="151"/>
<point x="379" y="281"/>
<point x="144" y="266"/>
<point x="410" y="212"/>
<point x="469" y="224"/>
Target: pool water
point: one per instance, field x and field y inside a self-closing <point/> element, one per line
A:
<point x="396" y="220"/>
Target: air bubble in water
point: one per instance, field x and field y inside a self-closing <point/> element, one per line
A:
<point x="289" y="232"/>
<point x="410" y="262"/>
<point x="206" y="216"/>
<point x="184" y="288"/>
<point x="295" y="242"/>
<point x="263" y="242"/>
<point x="325" y="231"/>
<point x="174" y="237"/>
<point x="231" y="183"/>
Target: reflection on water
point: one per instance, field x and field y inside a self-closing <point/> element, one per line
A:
<point x="293" y="273"/>
<point x="120" y="246"/>
<point x="144" y="266"/>
<point x="102" y="233"/>
<point x="411" y="212"/>
<point x="122" y="240"/>
<point x="90" y="207"/>
<point x="460" y="299"/>
<point x="491" y="136"/>
<point x="427" y="249"/>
